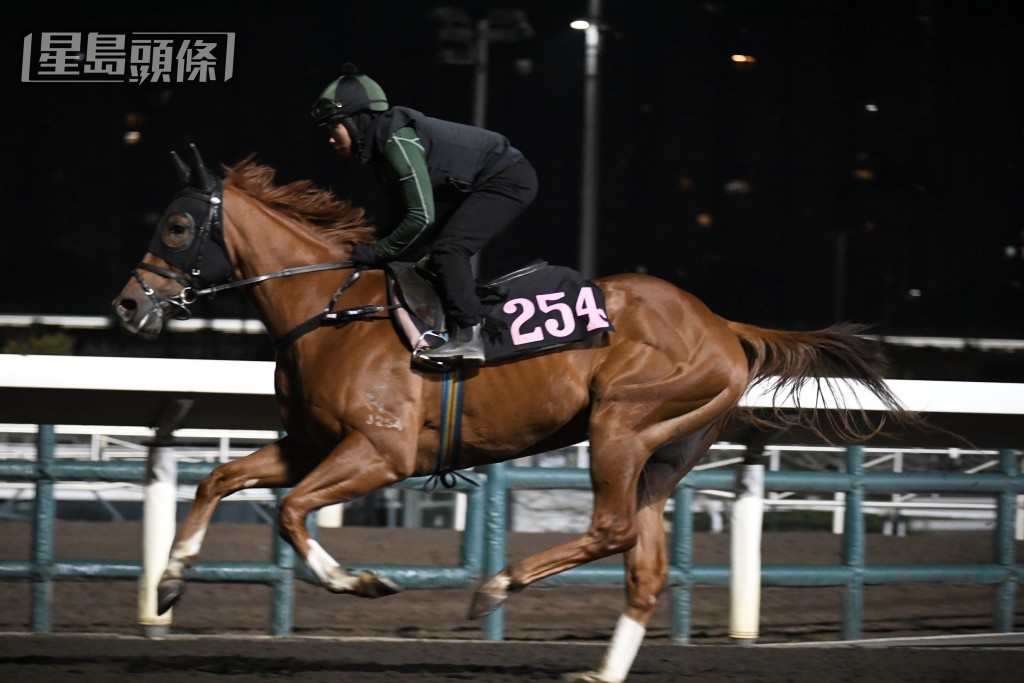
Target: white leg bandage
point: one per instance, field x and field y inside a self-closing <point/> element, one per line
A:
<point x="629" y="633"/>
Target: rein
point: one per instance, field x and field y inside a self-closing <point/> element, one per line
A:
<point x="328" y="315"/>
<point x="191" y="273"/>
<point x="188" y="296"/>
<point x="287" y="272"/>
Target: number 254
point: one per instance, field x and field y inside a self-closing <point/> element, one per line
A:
<point x="565" y="325"/>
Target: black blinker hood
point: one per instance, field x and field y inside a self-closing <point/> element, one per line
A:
<point x="201" y="200"/>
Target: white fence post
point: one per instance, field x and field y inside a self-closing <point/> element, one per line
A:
<point x="745" y="540"/>
<point x="331" y="517"/>
<point x="159" y="517"/>
<point x="838" y="513"/>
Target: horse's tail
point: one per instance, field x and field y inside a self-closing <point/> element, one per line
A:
<point x="829" y="358"/>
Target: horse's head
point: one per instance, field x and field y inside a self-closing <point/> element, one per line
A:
<point x="187" y="251"/>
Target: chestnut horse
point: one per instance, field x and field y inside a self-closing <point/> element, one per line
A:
<point x="651" y="397"/>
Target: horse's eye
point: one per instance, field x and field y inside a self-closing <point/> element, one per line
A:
<point x="177" y="230"/>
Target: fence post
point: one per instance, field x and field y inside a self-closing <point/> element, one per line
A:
<point x="159" y="516"/>
<point x="494" y="544"/>
<point x="853" y="546"/>
<point x="682" y="557"/>
<point x="745" y="553"/>
<point x="1006" y="590"/>
<point x="44" y="515"/>
<point x="283" y="589"/>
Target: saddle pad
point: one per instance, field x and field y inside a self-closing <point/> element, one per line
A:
<point x="550" y="307"/>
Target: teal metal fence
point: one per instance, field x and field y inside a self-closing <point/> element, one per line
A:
<point x="1004" y="573"/>
<point x="42" y="569"/>
<point x="484" y="540"/>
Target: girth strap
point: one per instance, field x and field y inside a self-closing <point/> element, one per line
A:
<point x="450" y="435"/>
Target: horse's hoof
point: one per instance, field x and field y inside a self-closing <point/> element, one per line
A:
<point x="168" y="592"/>
<point x="489" y="597"/>
<point x="372" y="586"/>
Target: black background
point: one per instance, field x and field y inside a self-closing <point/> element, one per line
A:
<point x="927" y="229"/>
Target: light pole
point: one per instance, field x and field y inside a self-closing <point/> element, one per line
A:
<point x="468" y="44"/>
<point x="589" y="182"/>
<point x="482" y="53"/>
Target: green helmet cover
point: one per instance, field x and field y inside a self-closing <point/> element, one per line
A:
<point x="350" y="93"/>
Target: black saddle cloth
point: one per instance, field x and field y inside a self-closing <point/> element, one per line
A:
<point x="535" y="308"/>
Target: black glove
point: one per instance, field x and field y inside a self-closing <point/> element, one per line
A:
<point x="367" y="255"/>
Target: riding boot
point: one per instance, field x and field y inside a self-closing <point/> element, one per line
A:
<point x="466" y="346"/>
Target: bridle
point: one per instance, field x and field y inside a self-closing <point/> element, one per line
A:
<point x="190" y="261"/>
<point x="198" y="283"/>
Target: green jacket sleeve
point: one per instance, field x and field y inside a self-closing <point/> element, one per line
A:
<point x="407" y="165"/>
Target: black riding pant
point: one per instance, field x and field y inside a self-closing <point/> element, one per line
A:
<point x="474" y="221"/>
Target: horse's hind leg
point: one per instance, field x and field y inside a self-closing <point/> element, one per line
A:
<point x="265" y="467"/>
<point x="632" y="417"/>
<point x="646" y="562"/>
<point x="612" y="526"/>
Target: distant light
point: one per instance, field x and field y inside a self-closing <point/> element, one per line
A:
<point x="737" y="186"/>
<point x="871" y="107"/>
<point x="705" y="220"/>
<point x="580" y="25"/>
<point x="914" y="294"/>
<point x="132" y="137"/>
<point x="744" y="59"/>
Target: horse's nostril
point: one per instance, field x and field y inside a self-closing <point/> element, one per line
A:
<point x="125" y="309"/>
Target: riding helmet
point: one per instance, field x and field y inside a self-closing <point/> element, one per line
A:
<point x="349" y="94"/>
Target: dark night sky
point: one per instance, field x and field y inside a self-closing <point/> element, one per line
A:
<point x="736" y="182"/>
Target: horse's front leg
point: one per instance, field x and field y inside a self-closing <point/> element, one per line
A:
<point x="266" y="467"/>
<point x="353" y="469"/>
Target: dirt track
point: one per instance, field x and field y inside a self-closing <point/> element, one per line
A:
<point x="114" y="659"/>
<point x="557" y="630"/>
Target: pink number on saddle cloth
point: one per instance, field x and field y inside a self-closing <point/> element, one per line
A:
<point x="547" y="308"/>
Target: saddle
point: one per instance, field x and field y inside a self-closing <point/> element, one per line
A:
<point x="534" y="308"/>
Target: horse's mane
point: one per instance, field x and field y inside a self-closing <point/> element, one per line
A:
<point x="336" y="220"/>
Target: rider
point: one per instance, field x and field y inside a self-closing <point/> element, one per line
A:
<point x="456" y="187"/>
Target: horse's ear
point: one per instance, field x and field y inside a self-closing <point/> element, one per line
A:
<point x="181" y="168"/>
<point x="204" y="181"/>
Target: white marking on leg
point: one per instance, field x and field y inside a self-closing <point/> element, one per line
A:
<point x="328" y="570"/>
<point x="629" y="633"/>
<point x="319" y="560"/>
<point x="183" y="553"/>
<point x="249" y="483"/>
<point x="498" y="584"/>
